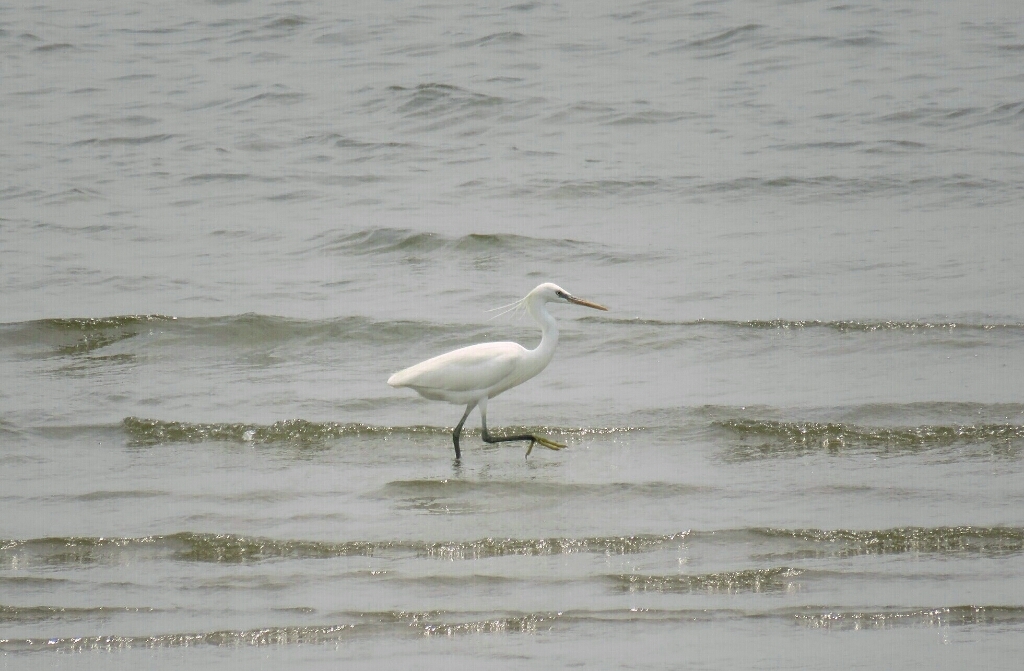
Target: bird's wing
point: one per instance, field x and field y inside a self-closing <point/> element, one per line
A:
<point x="467" y="369"/>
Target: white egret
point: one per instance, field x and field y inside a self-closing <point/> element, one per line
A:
<point x="473" y="374"/>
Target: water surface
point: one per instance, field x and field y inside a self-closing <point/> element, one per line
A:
<point x="796" y="437"/>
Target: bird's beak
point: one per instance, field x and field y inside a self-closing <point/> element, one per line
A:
<point x="586" y="304"/>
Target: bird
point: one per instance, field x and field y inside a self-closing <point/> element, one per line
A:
<point x="472" y="375"/>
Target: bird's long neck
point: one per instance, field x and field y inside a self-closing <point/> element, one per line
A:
<point x="543" y="352"/>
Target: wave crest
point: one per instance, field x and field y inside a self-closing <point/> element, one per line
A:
<point x="768" y="438"/>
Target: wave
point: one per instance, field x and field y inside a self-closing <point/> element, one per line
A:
<point x="804" y="188"/>
<point x="440" y="623"/>
<point x="841" y="325"/>
<point x="505" y="37"/>
<point x="231" y="548"/>
<point x="83" y="337"/>
<point x="573" y="189"/>
<point x="382" y="241"/>
<point x="389" y="624"/>
<point x="411" y="243"/>
<point x="28" y="614"/>
<point x="818" y="617"/>
<point x="956" y="117"/>
<point x="740" y="35"/>
<point x="77" y="336"/>
<point x="775" y="579"/>
<point x="741" y="435"/>
<point x="57" y="46"/>
<point x="965" y="540"/>
<point x="435" y="100"/>
<point x="770" y="438"/>
<point x="132" y="140"/>
<point x="294" y="635"/>
<point x="772" y="544"/>
<point x="148" y="432"/>
<point x="535" y="488"/>
<point x="964" y="188"/>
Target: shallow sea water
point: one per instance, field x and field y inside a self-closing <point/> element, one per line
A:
<point x="796" y="439"/>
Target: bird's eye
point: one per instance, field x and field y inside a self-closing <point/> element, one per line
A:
<point x="561" y="294"/>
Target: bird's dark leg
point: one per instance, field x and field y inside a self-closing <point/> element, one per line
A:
<point x="458" y="429"/>
<point x="488" y="438"/>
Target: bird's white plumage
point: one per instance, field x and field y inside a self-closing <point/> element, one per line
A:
<point x="473" y="374"/>
<point x="474" y="370"/>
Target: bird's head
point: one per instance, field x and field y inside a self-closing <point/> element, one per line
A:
<point x="552" y="293"/>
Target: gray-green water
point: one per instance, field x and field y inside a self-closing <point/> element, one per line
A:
<point x="796" y="440"/>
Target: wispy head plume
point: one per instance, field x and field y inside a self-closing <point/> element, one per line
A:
<point x="515" y="308"/>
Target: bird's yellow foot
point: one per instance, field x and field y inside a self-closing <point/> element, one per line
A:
<point x="548" y="443"/>
<point x="545" y="442"/>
